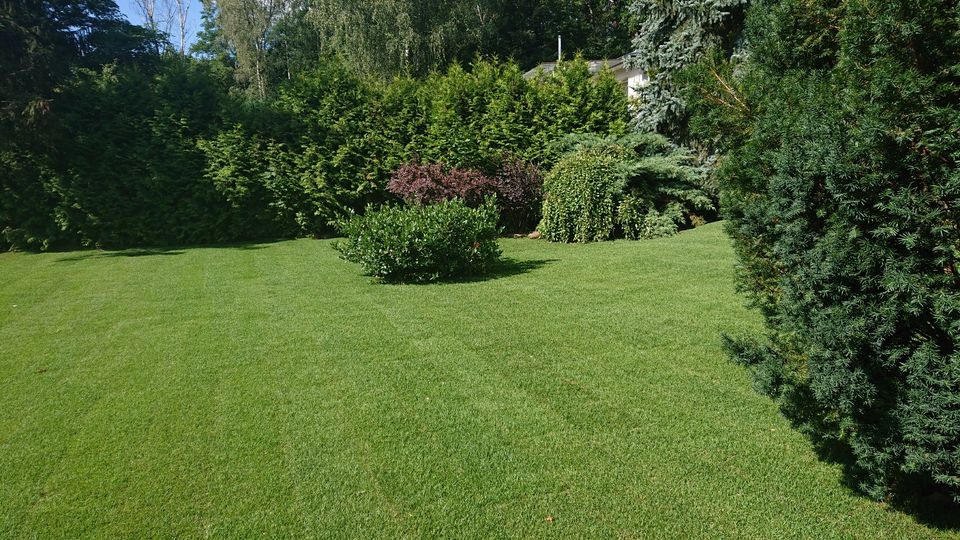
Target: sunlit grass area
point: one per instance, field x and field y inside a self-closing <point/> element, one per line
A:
<point x="271" y="390"/>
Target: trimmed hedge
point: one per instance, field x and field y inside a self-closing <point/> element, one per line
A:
<point x="165" y="165"/>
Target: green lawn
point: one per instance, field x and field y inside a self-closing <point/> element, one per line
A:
<point x="270" y="390"/>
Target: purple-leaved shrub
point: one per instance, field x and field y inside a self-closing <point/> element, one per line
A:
<point x="420" y="184"/>
<point x="517" y="184"/>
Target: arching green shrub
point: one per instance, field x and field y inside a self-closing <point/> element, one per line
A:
<point x="640" y="182"/>
<point x="580" y="196"/>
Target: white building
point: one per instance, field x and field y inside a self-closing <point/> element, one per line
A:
<point x="630" y="78"/>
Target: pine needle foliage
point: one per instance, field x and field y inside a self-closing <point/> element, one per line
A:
<point x="673" y="35"/>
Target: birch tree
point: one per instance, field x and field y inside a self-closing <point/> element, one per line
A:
<point x="393" y="36"/>
<point x="182" y="12"/>
<point x="247" y="25"/>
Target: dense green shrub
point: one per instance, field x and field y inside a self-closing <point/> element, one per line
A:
<point x="640" y="182"/>
<point x="579" y="197"/>
<point x="133" y="177"/>
<point x="572" y="101"/>
<point x="28" y="209"/>
<point x="842" y="193"/>
<point x="476" y="116"/>
<point x="639" y="221"/>
<point x="423" y="243"/>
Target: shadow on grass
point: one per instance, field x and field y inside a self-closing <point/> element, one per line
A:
<point x="929" y="505"/>
<point x="914" y="495"/>
<point x="935" y="510"/>
<point x="152" y="252"/>
<point x="505" y="267"/>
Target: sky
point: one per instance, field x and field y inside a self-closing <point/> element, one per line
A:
<point x="132" y="12"/>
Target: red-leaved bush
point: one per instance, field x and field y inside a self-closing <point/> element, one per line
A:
<point x="517" y="184"/>
<point x="426" y="184"/>
<point x="519" y="188"/>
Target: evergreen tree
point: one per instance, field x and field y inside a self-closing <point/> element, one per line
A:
<point x="841" y="187"/>
<point x="672" y="35"/>
<point x="43" y="41"/>
<point x="211" y="43"/>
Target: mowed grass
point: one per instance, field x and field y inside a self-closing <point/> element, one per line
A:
<point x="272" y="391"/>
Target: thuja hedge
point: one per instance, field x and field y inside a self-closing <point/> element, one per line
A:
<point x="164" y="153"/>
<point x="841" y="187"/>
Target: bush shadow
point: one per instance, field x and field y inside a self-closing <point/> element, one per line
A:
<point x="504" y="268"/>
<point x="932" y="507"/>
<point x="85" y="256"/>
<point x="928" y="505"/>
<point x="152" y="252"/>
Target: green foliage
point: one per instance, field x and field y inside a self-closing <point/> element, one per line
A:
<point x="572" y="101"/>
<point x="842" y="194"/>
<point x="396" y="36"/>
<point x="174" y="158"/>
<point x="266" y="184"/>
<point x="27" y="205"/>
<point x="527" y="30"/>
<point x="474" y="117"/>
<point x="639" y="221"/>
<point x="247" y="26"/>
<point x="630" y="216"/>
<point x="134" y="177"/>
<point x="392" y="37"/>
<point x="423" y="243"/>
<point x="671" y="36"/>
<point x="579" y="197"/>
<point x="341" y="137"/>
<point x="44" y="41"/>
<point x="267" y="41"/>
<point x="211" y="43"/>
<point x="646" y="185"/>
